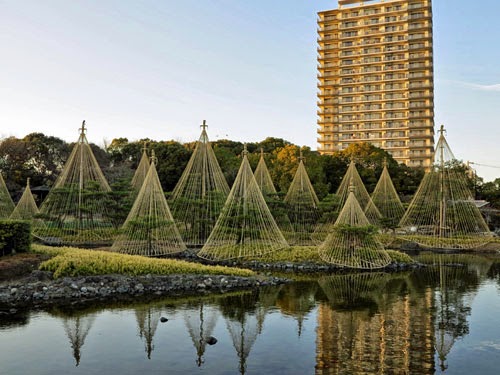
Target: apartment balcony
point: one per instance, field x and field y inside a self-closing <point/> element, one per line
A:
<point x="326" y="29"/>
<point x="327" y="38"/>
<point x="419" y="65"/>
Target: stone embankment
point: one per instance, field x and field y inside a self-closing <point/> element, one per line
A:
<point x="40" y="290"/>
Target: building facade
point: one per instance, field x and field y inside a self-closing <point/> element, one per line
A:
<point x="375" y="78"/>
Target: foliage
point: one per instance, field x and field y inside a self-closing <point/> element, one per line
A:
<point x="359" y="231"/>
<point x="36" y="156"/>
<point x="15" y="236"/>
<point x="70" y="261"/>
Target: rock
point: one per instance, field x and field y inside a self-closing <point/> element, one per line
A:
<point x="163" y="319"/>
<point x="201" y="286"/>
<point x="13" y="291"/>
<point x="83" y="289"/>
<point x="13" y="311"/>
<point x="210" y="340"/>
<point x="73" y="286"/>
<point x="122" y="289"/>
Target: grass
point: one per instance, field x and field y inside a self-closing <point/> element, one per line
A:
<point x="70" y="261"/>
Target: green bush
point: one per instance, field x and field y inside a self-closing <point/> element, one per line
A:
<point x="15" y="236"/>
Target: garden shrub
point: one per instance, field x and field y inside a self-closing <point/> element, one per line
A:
<point x="15" y="236"/>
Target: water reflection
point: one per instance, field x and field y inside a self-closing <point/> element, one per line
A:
<point x="77" y="327"/>
<point x="455" y="279"/>
<point x="361" y="331"/>
<point x="298" y="300"/>
<point x="373" y="322"/>
<point x="200" y="322"/>
<point x="243" y="324"/>
<point x="147" y="322"/>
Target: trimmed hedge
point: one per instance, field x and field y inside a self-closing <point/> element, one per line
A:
<point x="15" y="236"/>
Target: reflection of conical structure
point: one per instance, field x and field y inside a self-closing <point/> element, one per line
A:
<point x="350" y="243"/>
<point x="276" y="205"/>
<point x="351" y="291"/>
<point x="75" y="211"/>
<point x="147" y="322"/>
<point x="456" y="282"/>
<point x="298" y="300"/>
<point x="26" y="208"/>
<point x="302" y="206"/>
<point x="351" y="178"/>
<point x="141" y="172"/>
<point x="243" y="334"/>
<point x="268" y="296"/>
<point x="200" y="326"/>
<point x="442" y="213"/>
<point x="77" y="328"/>
<point x="245" y="226"/>
<point x="150" y="229"/>
<point x="199" y="195"/>
<point x="387" y="201"/>
<point x="6" y="203"/>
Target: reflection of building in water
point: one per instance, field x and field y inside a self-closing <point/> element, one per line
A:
<point x="147" y="322"/>
<point x="200" y="325"/>
<point x="77" y="328"/>
<point x="357" y="339"/>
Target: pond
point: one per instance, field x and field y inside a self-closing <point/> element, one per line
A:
<point x="441" y="319"/>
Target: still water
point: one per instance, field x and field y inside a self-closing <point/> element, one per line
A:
<point x="442" y="319"/>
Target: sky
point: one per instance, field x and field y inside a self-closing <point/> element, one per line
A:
<point x="157" y="69"/>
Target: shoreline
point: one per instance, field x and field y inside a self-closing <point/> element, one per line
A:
<point x="39" y="290"/>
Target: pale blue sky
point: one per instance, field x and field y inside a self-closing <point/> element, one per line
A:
<point x="156" y="69"/>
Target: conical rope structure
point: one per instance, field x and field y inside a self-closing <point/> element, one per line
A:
<point x="442" y="214"/>
<point x="302" y="206"/>
<point x="351" y="242"/>
<point x="275" y="204"/>
<point x="199" y="196"/>
<point x="263" y="177"/>
<point x="371" y="211"/>
<point x="75" y="210"/>
<point x="141" y="172"/>
<point x="386" y="199"/>
<point x="26" y="208"/>
<point x="149" y="229"/>
<point x="200" y="327"/>
<point x="6" y="203"/>
<point x="245" y="226"/>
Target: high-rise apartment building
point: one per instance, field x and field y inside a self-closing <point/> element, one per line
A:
<point x="375" y="76"/>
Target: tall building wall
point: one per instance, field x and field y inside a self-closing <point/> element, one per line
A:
<point x="375" y="78"/>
